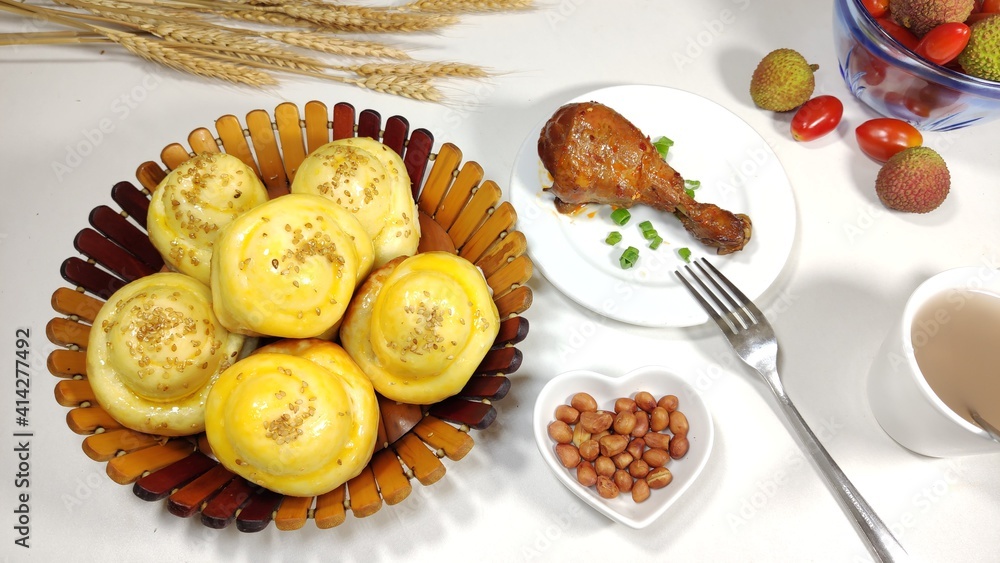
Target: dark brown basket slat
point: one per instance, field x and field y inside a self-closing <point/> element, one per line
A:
<point x="500" y="360"/>
<point x="221" y="510"/>
<point x="470" y="413"/>
<point x="369" y="124"/>
<point x="123" y="233"/>
<point x="394" y="136"/>
<point x="512" y="331"/>
<point x="492" y="387"/>
<point x="159" y="484"/>
<point x="416" y="157"/>
<point x="257" y="513"/>
<point x="132" y="201"/>
<point x="343" y="121"/>
<point x="110" y="255"/>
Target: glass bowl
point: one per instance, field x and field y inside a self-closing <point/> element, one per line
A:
<point x="895" y="82"/>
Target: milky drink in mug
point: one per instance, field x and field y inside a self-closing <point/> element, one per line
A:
<point x="940" y="360"/>
<point x="956" y="341"/>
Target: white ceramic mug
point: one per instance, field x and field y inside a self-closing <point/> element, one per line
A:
<point x="903" y="402"/>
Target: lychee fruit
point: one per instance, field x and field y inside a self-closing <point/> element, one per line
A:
<point x="782" y="81"/>
<point x="921" y="16"/>
<point x="915" y="180"/>
<point x="981" y="57"/>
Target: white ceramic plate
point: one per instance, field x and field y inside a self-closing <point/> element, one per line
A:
<point x="738" y="171"/>
<point x="657" y="380"/>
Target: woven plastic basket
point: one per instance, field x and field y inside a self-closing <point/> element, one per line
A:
<point x="459" y="212"/>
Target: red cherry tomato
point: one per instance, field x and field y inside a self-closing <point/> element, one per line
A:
<point x="883" y="137"/>
<point x="990" y="7"/>
<point x="905" y="37"/>
<point x="877" y="8"/>
<point x="943" y="43"/>
<point x="816" y="118"/>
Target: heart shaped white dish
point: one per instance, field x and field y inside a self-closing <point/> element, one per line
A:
<point x="658" y="381"/>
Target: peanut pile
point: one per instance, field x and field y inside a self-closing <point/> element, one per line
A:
<point x="625" y="451"/>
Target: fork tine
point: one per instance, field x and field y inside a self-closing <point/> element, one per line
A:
<point x="719" y="319"/>
<point x="755" y="313"/>
<point x="723" y="324"/>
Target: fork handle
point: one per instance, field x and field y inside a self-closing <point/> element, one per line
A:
<point x="882" y="543"/>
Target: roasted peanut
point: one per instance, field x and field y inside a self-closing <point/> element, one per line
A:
<point x="624" y="422"/>
<point x="622" y="460"/>
<point x="567" y="414"/>
<point x="640" y="490"/>
<point x="568" y="455"/>
<point x="580" y="435"/>
<point x="638" y="468"/>
<point x="604" y="466"/>
<point x="657" y="440"/>
<point x="590" y="449"/>
<point x="585" y="474"/>
<point x="659" y="478"/>
<point x="668" y="402"/>
<point x="560" y="432"/>
<point x="656" y="457"/>
<point x="659" y="419"/>
<point x="641" y="424"/>
<point x="678" y="423"/>
<point x="645" y="401"/>
<point x="636" y="447"/>
<point x="622" y="480"/>
<point x="600" y="435"/>
<point x="679" y="447"/>
<point x="583" y="402"/>
<point x="606" y="487"/>
<point x="613" y="444"/>
<point x="624" y="404"/>
<point x="596" y="421"/>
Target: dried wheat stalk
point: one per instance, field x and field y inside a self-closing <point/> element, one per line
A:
<point x="287" y="37"/>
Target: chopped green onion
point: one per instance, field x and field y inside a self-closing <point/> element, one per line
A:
<point x="614" y="237"/>
<point x="690" y="186"/>
<point x="655" y="242"/>
<point x="646" y="226"/>
<point x="685" y="254"/>
<point x="629" y="257"/>
<point x="650" y="234"/>
<point x="620" y="216"/>
<point x="662" y="146"/>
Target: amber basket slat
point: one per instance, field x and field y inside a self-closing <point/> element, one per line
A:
<point x="460" y="212"/>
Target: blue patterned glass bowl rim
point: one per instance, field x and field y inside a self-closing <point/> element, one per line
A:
<point x="865" y="30"/>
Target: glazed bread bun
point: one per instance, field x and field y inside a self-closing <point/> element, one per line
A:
<point x="288" y="268"/>
<point x="368" y="179"/>
<point x="420" y="326"/>
<point x="297" y="417"/>
<point x="195" y="201"/>
<point x="155" y="350"/>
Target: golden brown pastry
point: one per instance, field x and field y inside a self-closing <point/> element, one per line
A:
<point x="193" y="203"/>
<point x="297" y="417"/>
<point x="368" y="179"/>
<point x="420" y="326"/>
<point x="288" y="267"/>
<point x="154" y="352"/>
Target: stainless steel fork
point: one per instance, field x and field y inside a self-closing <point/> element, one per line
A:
<point x="753" y="339"/>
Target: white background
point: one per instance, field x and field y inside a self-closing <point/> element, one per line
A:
<point x="758" y="500"/>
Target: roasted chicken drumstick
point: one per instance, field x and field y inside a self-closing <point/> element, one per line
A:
<point x="595" y="155"/>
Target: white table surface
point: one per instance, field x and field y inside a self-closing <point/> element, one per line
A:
<point x="851" y="269"/>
